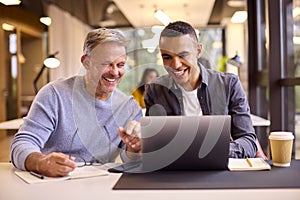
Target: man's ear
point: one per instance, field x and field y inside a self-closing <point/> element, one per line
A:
<point x="199" y="49"/>
<point x="85" y="61"/>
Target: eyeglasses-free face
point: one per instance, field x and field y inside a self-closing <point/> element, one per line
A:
<point x="180" y="55"/>
<point x="104" y="69"/>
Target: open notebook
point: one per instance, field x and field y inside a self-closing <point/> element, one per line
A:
<point x="79" y="172"/>
<point x="248" y="164"/>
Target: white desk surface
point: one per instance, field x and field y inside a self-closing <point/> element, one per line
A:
<point x="13" y="188"/>
<point x="259" y="121"/>
<point x="11" y="124"/>
<point x="16" y="123"/>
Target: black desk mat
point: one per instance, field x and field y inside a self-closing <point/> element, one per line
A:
<point x="275" y="178"/>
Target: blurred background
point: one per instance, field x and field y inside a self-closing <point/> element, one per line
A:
<point x="256" y="39"/>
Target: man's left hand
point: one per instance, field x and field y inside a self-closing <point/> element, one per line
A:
<point x="131" y="136"/>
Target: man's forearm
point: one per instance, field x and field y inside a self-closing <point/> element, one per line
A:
<point x="242" y="148"/>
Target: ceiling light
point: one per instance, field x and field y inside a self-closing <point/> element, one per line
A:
<point x="162" y="17"/>
<point x="46" y="20"/>
<point x="236" y="3"/>
<point x="239" y="17"/>
<point x="10" y="2"/>
<point x="8" y="27"/>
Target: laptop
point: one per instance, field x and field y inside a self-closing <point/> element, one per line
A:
<point x="183" y="143"/>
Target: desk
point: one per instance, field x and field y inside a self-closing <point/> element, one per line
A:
<point x="13" y="188"/>
<point x="256" y="120"/>
<point x="11" y="124"/>
<point x="259" y="121"/>
<point x="16" y="123"/>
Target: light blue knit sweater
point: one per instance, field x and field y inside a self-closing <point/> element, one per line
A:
<point x="59" y="109"/>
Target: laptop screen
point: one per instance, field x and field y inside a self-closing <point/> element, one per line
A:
<point x="185" y="142"/>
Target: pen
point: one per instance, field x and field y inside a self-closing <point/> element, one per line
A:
<point x="249" y="162"/>
<point x="36" y="175"/>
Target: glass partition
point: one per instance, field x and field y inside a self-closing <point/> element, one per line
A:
<point x="143" y="52"/>
<point x="296" y="41"/>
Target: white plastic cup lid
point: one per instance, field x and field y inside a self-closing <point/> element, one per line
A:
<point x="281" y="135"/>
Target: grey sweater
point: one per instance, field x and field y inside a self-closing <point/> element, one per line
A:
<point x="63" y="106"/>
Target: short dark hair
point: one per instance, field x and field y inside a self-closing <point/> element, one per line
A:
<point x="179" y="28"/>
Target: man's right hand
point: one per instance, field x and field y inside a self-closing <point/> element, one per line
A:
<point x="52" y="165"/>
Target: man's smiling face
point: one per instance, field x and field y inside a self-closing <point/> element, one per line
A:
<point x="180" y="55"/>
<point x="106" y="68"/>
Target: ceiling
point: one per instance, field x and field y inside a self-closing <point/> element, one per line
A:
<point x="138" y="13"/>
<point x="196" y="12"/>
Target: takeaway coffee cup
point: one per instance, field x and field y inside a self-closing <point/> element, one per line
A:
<point x="281" y="143"/>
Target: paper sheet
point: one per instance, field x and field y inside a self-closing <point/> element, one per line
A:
<point x="79" y="172"/>
<point x="242" y="164"/>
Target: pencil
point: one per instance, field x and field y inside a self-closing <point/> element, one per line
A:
<point x="249" y="162"/>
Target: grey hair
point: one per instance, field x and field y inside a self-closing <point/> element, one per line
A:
<point x="102" y="35"/>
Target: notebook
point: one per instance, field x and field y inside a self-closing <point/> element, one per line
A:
<point x="183" y="143"/>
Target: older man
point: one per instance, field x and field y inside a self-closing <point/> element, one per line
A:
<point x="78" y="119"/>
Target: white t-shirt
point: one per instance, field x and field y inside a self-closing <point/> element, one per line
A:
<point x="191" y="104"/>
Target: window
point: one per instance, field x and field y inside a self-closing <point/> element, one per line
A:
<point x="143" y="52"/>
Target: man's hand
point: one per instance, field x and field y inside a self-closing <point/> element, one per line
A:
<point x="52" y="165"/>
<point x="260" y="153"/>
<point x="131" y="136"/>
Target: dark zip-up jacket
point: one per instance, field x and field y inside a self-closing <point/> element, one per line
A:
<point x="218" y="94"/>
